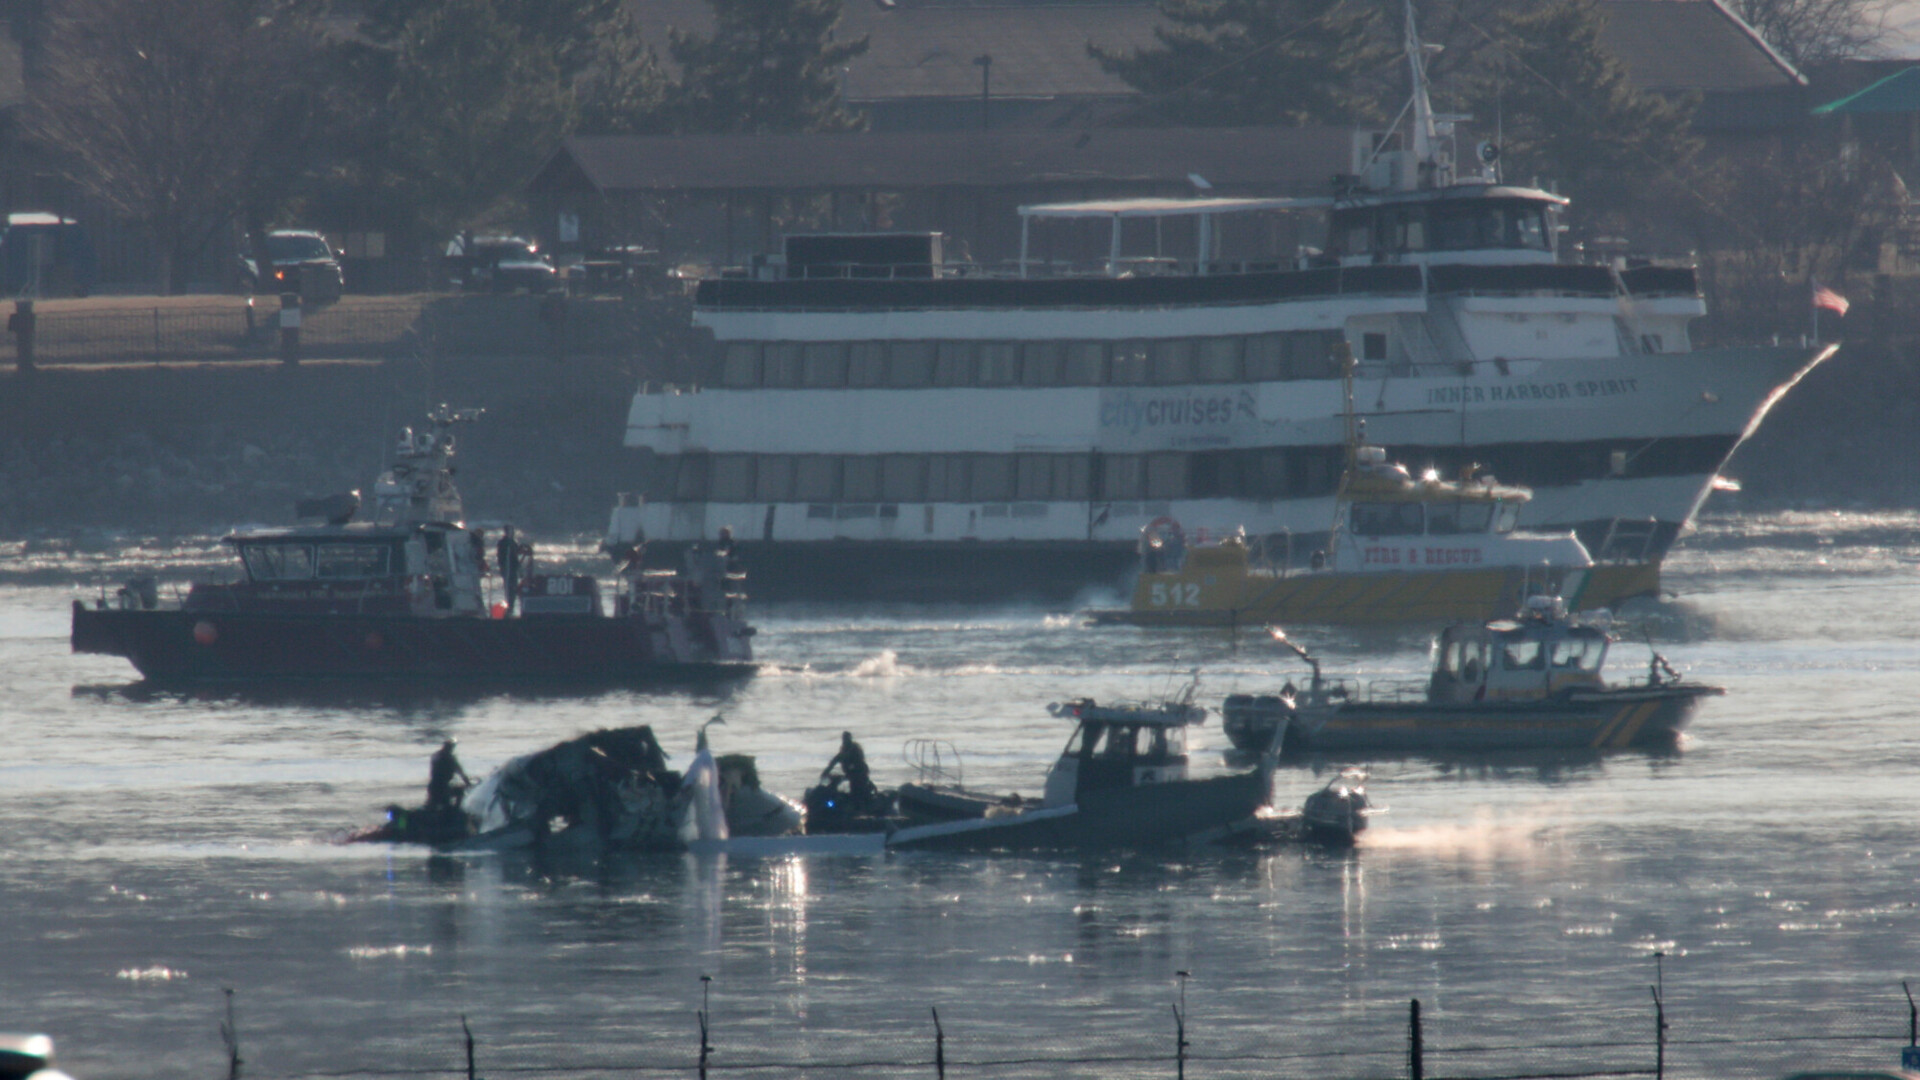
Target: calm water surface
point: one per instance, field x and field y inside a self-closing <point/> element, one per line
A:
<point x="161" y="846"/>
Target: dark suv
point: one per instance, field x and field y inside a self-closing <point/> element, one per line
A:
<point x="499" y="264"/>
<point x="300" y="261"/>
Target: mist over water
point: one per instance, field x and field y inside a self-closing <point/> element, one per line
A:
<point x="163" y="844"/>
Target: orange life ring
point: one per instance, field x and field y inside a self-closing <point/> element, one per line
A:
<point x="1164" y="528"/>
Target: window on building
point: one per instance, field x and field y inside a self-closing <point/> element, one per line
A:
<point x="999" y="363"/>
<point x="773" y="478"/>
<point x="1166" y="476"/>
<point x="1171" y="361"/>
<point x="823" y="363"/>
<point x="953" y="364"/>
<point x="992" y="479"/>
<point x="1130" y="364"/>
<point x="781" y="366"/>
<point x="910" y="364"/>
<point x="690" y="480"/>
<point x="1072" y="477"/>
<point x="1041" y="363"/>
<point x="1266" y="357"/>
<point x="947" y="477"/>
<point x="1219" y="359"/>
<point x="1086" y="364"/>
<point x="740" y="365"/>
<point x="1122" y="476"/>
<point x="903" y="478"/>
<point x="867" y="363"/>
<point x="731" y="478"/>
<point x="1033" y="477"/>
<point x="816" y="477"/>
<point x="860" y="478"/>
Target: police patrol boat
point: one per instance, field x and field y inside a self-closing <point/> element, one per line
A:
<point x="1527" y="683"/>
<point x="877" y="420"/>
<point x="410" y="593"/>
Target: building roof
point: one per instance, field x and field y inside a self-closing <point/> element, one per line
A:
<point x="1897" y="93"/>
<point x="1680" y="45"/>
<point x="13" y="86"/>
<point x="926" y="48"/>
<point x="921" y="49"/>
<point x="1260" y="159"/>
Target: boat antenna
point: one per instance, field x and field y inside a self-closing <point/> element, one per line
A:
<point x="1281" y="637"/>
<point x="1354" y="430"/>
<point x="1424" y="133"/>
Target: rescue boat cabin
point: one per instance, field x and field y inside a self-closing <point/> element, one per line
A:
<point x="421" y="568"/>
<point x="1528" y="659"/>
<point x="1120" y="747"/>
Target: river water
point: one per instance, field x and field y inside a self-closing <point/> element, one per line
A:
<point x="162" y="846"/>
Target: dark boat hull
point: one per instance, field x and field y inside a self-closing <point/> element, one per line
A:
<point x="206" y="646"/>
<point x="1598" y="720"/>
<point x="1153" y="815"/>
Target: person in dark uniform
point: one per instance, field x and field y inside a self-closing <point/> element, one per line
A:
<point x="852" y="763"/>
<point x="440" y="773"/>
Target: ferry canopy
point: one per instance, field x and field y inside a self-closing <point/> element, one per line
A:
<point x="1162" y="208"/>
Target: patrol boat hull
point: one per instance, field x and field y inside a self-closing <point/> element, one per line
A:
<point x="1582" y="720"/>
<point x="175" y="645"/>
<point x="1153" y="815"/>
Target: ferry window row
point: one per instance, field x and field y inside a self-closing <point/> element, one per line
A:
<point x="980" y="478"/>
<point x="1303" y="354"/>
<point x="1453" y="225"/>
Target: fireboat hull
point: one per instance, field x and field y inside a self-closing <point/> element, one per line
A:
<point x="224" y="646"/>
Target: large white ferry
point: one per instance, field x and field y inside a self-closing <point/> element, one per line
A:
<point x="876" y="421"/>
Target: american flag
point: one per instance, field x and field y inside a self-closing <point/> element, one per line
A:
<point x="1824" y="297"/>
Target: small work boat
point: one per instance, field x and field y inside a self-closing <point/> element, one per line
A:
<point x="1338" y="812"/>
<point x="1120" y="782"/>
<point x="410" y="594"/>
<point x="1527" y="683"/>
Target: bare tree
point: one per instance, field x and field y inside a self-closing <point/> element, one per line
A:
<point x="1815" y="31"/>
<point x="162" y="109"/>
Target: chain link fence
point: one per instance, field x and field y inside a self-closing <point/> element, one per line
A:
<point x="1857" y="1037"/>
<point x="122" y="330"/>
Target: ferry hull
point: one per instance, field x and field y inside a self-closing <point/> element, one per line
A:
<point x="1381" y="597"/>
<point x="1587" y="721"/>
<point x="225" y="646"/>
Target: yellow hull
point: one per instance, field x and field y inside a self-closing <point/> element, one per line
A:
<point x="1229" y="595"/>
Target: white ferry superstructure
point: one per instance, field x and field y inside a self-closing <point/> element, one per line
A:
<point x="871" y="411"/>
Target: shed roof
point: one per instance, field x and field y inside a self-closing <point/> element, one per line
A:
<point x="1897" y="93"/>
<point x="1692" y="45"/>
<point x="920" y="49"/>
<point x="1264" y="159"/>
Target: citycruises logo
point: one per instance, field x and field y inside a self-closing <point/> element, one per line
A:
<point x="1133" y="414"/>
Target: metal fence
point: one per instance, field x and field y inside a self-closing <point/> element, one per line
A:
<point x="109" y="330"/>
<point x="1867" y="1037"/>
<point x="224" y="328"/>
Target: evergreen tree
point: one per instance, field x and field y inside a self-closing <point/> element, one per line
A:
<point x="1248" y="62"/>
<point x="770" y="65"/>
<point x="1570" y="115"/>
<point x="472" y="111"/>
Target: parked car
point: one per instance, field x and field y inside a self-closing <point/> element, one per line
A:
<point x="45" y="255"/>
<point x="300" y="261"/>
<point x="499" y="264"/>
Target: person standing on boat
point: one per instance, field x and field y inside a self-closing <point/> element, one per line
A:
<point x="440" y="773"/>
<point x="852" y="763"/>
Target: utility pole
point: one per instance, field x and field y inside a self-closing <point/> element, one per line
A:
<point x="985" y="61"/>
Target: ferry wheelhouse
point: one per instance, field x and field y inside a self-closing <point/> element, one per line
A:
<point x="876" y="418"/>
